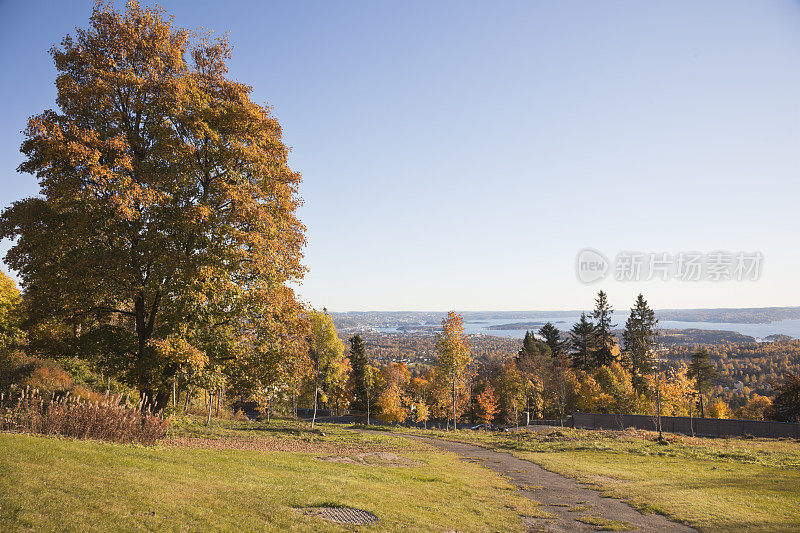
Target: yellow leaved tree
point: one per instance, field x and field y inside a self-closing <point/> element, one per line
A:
<point x="166" y="204"/>
<point x="452" y="362"/>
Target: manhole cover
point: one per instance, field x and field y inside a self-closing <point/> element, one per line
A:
<point x="343" y="515"/>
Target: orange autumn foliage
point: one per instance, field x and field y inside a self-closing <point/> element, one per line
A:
<point x="166" y="206"/>
<point x="487" y="405"/>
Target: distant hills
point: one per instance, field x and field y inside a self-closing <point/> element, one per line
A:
<point x="748" y="315"/>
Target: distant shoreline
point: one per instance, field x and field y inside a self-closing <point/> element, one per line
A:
<point x="522" y="325"/>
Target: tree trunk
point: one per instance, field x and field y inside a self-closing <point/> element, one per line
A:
<point x="455" y="424"/>
<point x="316" y="390"/>
<point x="702" y="407"/>
<point x="156" y="396"/>
<point x="154" y="401"/>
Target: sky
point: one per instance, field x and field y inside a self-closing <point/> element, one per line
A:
<point x="459" y="155"/>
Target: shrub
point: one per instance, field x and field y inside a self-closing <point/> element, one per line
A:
<point x="33" y="372"/>
<point x="109" y="419"/>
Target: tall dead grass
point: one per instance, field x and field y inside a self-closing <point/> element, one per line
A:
<point x="109" y="418"/>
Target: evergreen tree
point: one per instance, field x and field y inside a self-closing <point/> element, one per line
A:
<point x="532" y="350"/>
<point x="604" y="340"/>
<point x="552" y="337"/>
<point x="640" y="338"/>
<point x="359" y="362"/>
<point x="786" y="406"/>
<point x="582" y="340"/>
<point x="703" y="372"/>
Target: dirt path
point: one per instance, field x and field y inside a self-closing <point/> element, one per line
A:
<point x="563" y="497"/>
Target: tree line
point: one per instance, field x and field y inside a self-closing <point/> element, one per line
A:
<point x="551" y="375"/>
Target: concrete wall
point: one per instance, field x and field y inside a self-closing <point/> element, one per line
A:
<point x="708" y="427"/>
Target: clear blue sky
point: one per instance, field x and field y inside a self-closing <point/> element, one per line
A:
<point x="459" y="155"/>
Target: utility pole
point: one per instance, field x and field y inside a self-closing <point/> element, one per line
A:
<point x="659" y="368"/>
<point x="658" y="400"/>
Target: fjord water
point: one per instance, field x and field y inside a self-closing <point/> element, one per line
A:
<point x="759" y="331"/>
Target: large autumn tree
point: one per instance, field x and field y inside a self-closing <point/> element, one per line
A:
<point x="166" y="205"/>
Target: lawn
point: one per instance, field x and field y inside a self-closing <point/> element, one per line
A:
<point x="227" y="478"/>
<point x="712" y="484"/>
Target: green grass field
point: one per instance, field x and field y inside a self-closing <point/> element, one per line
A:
<point x="711" y="484"/>
<point x="254" y="476"/>
<point x="225" y="478"/>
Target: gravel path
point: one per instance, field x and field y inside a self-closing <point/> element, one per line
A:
<point x="563" y="497"/>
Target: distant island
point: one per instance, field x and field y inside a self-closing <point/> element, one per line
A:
<point x="519" y="325"/>
<point x="778" y="338"/>
<point x="702" y="336"/>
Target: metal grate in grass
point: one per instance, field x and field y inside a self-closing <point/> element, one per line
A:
<point x="343" y="515"/>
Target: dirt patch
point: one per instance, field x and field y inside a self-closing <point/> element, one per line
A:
<point x="267" y="444"/>
<point x="370" y="459"/>
<point x="342" y="515"/>
<point x="604" y="524"/>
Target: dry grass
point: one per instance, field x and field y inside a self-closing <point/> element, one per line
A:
<point x="59" y="485"/>
<point x="605" y="524"/>
<point x="107" y="419"/>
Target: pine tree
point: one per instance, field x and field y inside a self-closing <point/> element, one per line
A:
<point x="640" y="338"/>
<point x="582" y="340"/>
<point x="532" y="351"/>
<point x="359" y="362"/>
<point x="552" y="336"/>
<point x="703" y="372"/>
<point x="786" y="405"/>
<point x="604" y="340"/>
